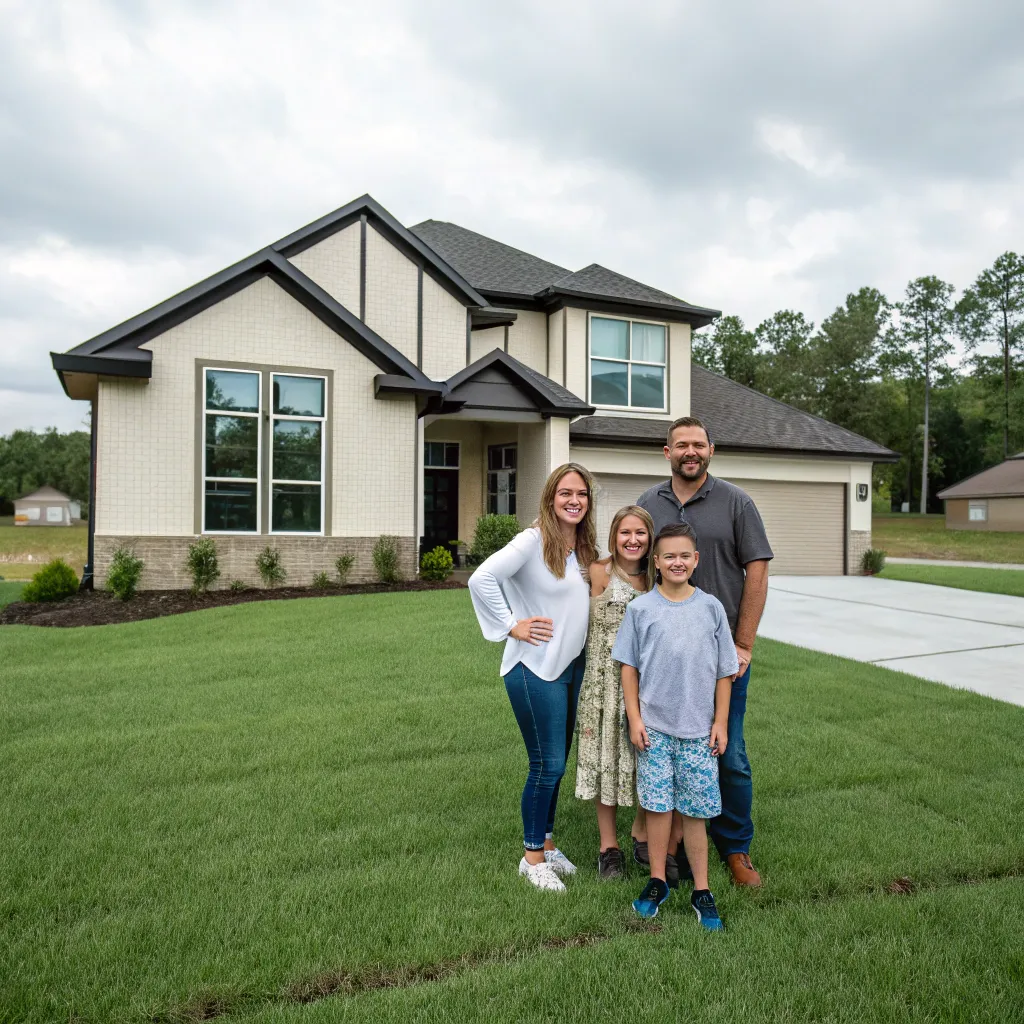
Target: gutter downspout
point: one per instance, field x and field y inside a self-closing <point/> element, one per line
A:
<point x="87" y="572"/>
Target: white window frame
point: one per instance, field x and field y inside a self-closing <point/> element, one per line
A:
<point x="977" y="506"/>
<point x="438" y="440"/>
<point x="628" y="363"/>
<point x="258" y="416"/>
<point x="322" y="420"/>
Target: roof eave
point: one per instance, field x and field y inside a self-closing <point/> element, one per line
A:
<point x="696" y="316"/>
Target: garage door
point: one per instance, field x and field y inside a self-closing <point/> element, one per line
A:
<point x="805" y="522"/>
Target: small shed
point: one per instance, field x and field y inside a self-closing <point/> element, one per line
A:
<point x="46" y="507"/>
<point x="990" y="500"/>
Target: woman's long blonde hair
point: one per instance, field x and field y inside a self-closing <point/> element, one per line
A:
<point x="550" y="534"/>
<point x="647" y="562"/>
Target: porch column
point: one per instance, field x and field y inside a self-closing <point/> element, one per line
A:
<point x="541" y="448"/>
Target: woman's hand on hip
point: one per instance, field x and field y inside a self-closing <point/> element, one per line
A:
<point x="536" y="631"/>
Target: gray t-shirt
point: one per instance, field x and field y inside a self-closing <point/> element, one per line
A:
<point x="681" y="649"/>
<point x="729" y="530"/>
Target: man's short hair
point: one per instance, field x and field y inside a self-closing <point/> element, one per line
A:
<point x="687" y="421"/>
<point x="675" y="530"/>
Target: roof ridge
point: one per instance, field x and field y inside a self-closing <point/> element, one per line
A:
<point x="488" y="238"/>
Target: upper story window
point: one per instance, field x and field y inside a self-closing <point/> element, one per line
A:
<point x="628" y="360"/>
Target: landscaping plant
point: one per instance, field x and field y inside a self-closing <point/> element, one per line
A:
<point x="202" y="564"/>
<point x="437" y="564"/>
<point x="343" y="565"/>
<point x="872" y="561"/>
<point x="493" y="532"/>
<point x="268" y="565"/>
<point x="237" y="585"/>
<point x="55" y="581"/>
<point x="385" y="559"/>
<point x="321" y="581"/>
<point x="124" y="573"/>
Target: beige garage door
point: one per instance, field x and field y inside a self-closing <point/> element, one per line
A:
<point x="804" y="521"/>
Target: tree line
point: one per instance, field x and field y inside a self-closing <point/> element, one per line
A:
<point x="29" y="460"/>
<point x="884" y="370"/>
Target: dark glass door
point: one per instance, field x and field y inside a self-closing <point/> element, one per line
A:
<point x="440" y="508"/>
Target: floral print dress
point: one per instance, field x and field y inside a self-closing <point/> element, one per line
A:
<point x="605" y="761"/>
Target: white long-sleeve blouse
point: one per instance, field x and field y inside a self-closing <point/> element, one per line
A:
<point x="513" y="584"/>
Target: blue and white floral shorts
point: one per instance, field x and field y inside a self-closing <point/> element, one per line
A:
<point x="678" y="774"/>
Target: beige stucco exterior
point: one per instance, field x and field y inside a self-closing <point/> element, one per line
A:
<point x="334" y="265"/>
<point x="392" y="293"/>
<point x="528" y="339"/>
<point x="444" y="331"/>
<point x="1005" y="515"/>
<point x="485" y="341"/>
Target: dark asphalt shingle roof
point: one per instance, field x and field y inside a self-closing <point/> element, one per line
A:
<point x="1003" y="481"/>
<point x="598" y="280"/>
<point x="738" y="418"/>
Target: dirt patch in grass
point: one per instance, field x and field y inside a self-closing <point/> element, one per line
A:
<point x="99" y="608"/>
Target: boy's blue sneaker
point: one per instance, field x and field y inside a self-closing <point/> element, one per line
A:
<point x="703" y="904"/>
<point x="655" y="893"/>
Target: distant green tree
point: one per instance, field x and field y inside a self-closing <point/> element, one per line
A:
<point x="730" y="349"/>
<point x="29" y="460"/>
<point x="785" y="367"/>
<point x="992" y="312"/>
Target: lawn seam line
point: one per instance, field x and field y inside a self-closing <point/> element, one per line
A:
<point x="935" y="654"/>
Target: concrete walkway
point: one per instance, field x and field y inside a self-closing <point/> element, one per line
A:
<point x="962" y="565"/>
<point x="958" y="637"/>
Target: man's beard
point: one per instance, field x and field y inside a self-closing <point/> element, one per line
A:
<point x="688" y="473"/>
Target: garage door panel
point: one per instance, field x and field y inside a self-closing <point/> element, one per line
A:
<point x="612" y="493"/>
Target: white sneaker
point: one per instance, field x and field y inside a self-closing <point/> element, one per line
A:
<point x="541" y="875"/>
<point x="560" y="864"/>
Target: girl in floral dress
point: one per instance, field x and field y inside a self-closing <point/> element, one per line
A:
<point x="606" y="765"/>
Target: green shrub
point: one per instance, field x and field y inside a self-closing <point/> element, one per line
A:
<point x="124" y="573"/>
<point x="437" y="564"/>
<point x="872" y="561"/>
<point x="237" y="585"/>
<point x="343" y="564"/>
<point x="321" y="581"/>
<point x="493" y="532"/>
<point x="268" y="565"/>
<point x="55" y="581"/>
<point x="202" y="564"/>
<point x="385" y="559"/>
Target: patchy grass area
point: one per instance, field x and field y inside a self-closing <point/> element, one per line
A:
<point x="914" y="536"/>
<point x="309" y="810"/>
<point x="990" y="581"/>
<point x="9" y="592"/>
<point x="24" y="549"/>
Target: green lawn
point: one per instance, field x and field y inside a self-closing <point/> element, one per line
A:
<point x="991" y="581"/>
<point x="24" y="549"/>
<point x="9" y="591"/>
<point x="914" y="536"/>
<point x="238" y="809"/>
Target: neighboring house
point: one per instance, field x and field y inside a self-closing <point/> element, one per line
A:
<point x="990" y="500"/>
<point x="360" y="378"/>
<point x="46" y="507"/>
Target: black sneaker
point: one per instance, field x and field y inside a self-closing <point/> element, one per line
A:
<point x="611" y="864"/>
<point x="671" y="872"/>
<point x="703" y="904"/>
<point x="640" y="855"/>
<point x="655" y="893"/>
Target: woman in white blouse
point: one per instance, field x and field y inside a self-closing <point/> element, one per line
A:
<point x="533" y="595"/>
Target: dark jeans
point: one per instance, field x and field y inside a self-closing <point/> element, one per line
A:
<point x="546" y="713"/>
<point x="733" y="829"/>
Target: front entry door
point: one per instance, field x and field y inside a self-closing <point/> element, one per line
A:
<point x="440" y="507"/>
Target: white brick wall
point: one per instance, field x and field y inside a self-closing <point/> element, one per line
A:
<point x="334" y="265"/>
<point x="679" y="371"/>
<point x="556" y="367"/>
<point x="486" y="341"/>
<point x="542" y="447"/>
<point x="576" y="358"/>
<point x="391" y="290"/>
<point x="444" y="331"/>
<point x="146" y="432"/>
<point x="528" y="339"/>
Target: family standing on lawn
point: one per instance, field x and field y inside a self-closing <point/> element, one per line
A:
<point x="652" y="645"/>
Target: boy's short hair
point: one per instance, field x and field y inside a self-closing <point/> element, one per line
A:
<point x="675" y="530"/>
<point x="687" y="421"/>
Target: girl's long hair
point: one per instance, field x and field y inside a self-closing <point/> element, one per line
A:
<point x="550" y="534"/>
<point x="646" y="562"/>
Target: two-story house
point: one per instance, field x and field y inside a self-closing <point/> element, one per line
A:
<point x="360" y="378"/>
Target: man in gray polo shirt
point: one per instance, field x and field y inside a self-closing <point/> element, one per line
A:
<point x="734" y="556"/>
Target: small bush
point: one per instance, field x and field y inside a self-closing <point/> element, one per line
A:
<point x="202" y="564"/>
<point x="237" y="585"/>
<point x="268" y="565"/>
<point x="493" y="532"/>
<point x="321" y="581"/>
<point x="385" y="559"/>
<point x="55" y="581"/>
<point x="343" y="565"/>
<point x="872" y="561"/>
<point x="124" y="573"/>
<point x="437" y="564"/>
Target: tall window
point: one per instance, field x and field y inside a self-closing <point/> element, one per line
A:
<point x="297" y="457"/>
<point x="231" y="452"/>
<point x="627" y="363"/>
<point x="501" y="479"/>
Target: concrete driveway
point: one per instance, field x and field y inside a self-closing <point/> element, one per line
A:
<point x="958" y="637"/>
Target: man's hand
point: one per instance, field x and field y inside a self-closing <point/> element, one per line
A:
<point x="638" y="735"/>
<point x="536" y="631"/>
<point x="719" y="739"/>
<point x="743" y="655"/>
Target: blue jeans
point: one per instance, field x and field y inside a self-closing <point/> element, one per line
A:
<point x="733" y="829"/>
<point x="546" y="713"/>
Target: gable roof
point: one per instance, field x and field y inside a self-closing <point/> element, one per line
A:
<point x="739" y="419"/>
<point x="1003" y="481"/>
<point x="44" y="493"/>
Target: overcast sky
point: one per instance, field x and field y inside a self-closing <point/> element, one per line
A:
<point x="745" y="156"/>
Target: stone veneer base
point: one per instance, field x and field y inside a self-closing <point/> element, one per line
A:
<point x="859" y="542"/>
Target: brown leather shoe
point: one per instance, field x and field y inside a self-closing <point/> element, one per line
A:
<point x="742" y="870"/>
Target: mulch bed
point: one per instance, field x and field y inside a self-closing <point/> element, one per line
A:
<point x="99" y="608"/>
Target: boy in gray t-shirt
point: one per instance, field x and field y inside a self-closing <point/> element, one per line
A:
<point x="678" y="662"/>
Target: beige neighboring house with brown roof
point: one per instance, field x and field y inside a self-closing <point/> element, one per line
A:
<point x="990" y="500"/>
<point x="46" y="507"/>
